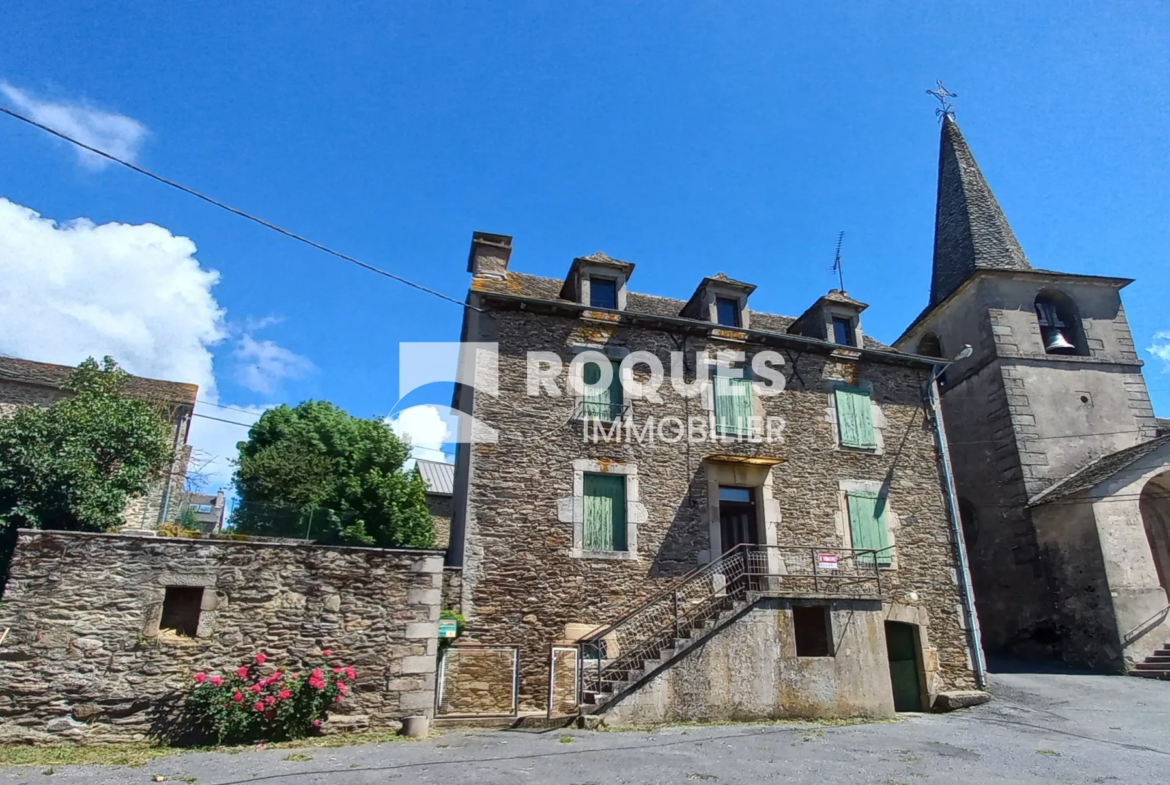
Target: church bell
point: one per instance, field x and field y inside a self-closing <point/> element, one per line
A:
<point x="1056" y="343"/>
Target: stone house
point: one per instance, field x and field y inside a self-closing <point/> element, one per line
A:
<point x="1062" y="470"/>
<point x="440" y="482"/>
<point x="806" y="569"/>
<point x="208" y="510"/>
<point x="27" y="383"/>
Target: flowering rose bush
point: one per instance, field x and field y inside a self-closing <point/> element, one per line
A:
<point x="247" y="706"/>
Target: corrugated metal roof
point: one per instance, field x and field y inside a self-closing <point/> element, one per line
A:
<point x="439" y="477"/>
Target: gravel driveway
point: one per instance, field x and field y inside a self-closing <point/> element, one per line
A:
<point x="1041" y="727"/>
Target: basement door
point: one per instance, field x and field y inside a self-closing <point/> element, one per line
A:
<point x="904" y="666"/>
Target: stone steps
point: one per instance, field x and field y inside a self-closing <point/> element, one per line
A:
<point x="1156" y="666"/>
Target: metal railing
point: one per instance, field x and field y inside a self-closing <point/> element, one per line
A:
<point x="608" y="656"/>
<point x="1146" y="626"/>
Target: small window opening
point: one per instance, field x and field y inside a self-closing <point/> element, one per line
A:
<point x="180" y="610"/>
<point x="727" y="311"/>
<point x="602" y="293"/>
<point x="843" y="331"/>
<point x="595" y="650"/>
<point x="811" y="624"/>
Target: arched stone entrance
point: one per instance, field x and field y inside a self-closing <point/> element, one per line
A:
<point x="1155" y="508"/>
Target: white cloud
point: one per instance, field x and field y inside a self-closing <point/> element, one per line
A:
<point x="1161" y="348"/>
<point x="137" y="293"/>
<point x="116" y="134"/>
<point x="428" y="427"/>
<point x="263" y="364"/>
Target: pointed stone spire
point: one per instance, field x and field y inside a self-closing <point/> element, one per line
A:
<point x="970" y="230"/>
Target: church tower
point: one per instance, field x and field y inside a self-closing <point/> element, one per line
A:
<point x="1052" y="385"/>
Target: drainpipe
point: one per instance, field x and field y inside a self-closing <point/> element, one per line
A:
<point x="957" y="532"/>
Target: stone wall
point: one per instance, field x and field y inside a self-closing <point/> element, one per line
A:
<point x="523" y="582"/>
<point x="85" y="659"/>
<point x="478" y="681"/>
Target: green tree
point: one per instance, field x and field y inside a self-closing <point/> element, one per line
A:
<point x="315" y="471"/>
<point x="73" y="465"/>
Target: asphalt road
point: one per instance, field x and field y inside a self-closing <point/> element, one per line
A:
<point x="1050" y="727"/>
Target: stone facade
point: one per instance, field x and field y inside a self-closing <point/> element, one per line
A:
<point x="526" y="581"/>
<point x="85" y="660"/>
<point x="28" y="383"/>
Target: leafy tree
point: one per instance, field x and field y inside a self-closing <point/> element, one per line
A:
<point x="315" y="471"/>
<point x="73" y="465"/>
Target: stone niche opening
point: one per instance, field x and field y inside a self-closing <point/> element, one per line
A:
<point x="180" y="611"/>
<point x="812" y="628"/>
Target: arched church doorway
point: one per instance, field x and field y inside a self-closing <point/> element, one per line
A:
<point x="1155" y="508"/>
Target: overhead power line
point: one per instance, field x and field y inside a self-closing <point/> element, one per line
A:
<point x="235" y="210"/>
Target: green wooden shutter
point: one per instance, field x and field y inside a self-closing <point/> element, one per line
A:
<point x="855" y="418"/>
<point x="601" y="404"/>
<point x="867" y="524"/>
<point x="605" y="513"/>
<point x="733" y="406"/>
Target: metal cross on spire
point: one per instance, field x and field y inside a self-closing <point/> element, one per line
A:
<point x="947" y="109"/>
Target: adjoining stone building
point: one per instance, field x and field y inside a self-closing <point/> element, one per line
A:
<point x="752" y="573"/>
<point x="440" y="482"/>
<point x="29" y="383"/>
<point x="1063" y="472"/>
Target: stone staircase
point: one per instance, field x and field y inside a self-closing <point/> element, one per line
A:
<point x="1156" y="666"/>
<point x="626" y="674"/>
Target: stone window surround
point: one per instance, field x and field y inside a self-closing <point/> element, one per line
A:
<point x="714" y="289"/>
<point x="879" y="419"/>
<point x="588" y="271"/>
<point x="743" y="475"/>
<point x="614" y="353"/>
<point x="571" y="509"/>
<point x="156" y="594"/>
<point x="829" y="311"/>
<point x="893" y="522"/>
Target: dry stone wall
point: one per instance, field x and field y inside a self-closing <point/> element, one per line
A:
<point x="85" y="659"/>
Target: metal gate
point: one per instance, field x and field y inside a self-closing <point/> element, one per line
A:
<point x="564" y="675"/>
<point x="478" y="681"/>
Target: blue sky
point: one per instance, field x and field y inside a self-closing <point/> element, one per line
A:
<point x="689" y="138"/>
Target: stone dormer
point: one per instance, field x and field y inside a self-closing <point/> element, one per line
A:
<point x="598" y="281"/>
<point x="835" y="318"/>
<point x="489" y="254"/>
<point x="720" y="300"/>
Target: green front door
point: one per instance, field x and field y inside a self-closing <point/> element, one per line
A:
<point x="904" y="669"/>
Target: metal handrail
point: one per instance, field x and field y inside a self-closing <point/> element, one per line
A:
<point x="1130" y="637"/>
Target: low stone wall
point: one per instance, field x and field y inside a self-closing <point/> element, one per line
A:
<point x="85" y="659"/>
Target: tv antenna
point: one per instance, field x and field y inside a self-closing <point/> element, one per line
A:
<point x="837" y="268"/>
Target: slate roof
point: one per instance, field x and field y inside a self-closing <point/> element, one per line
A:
<point x="1097" y="471"/>
<point x="540" y="288"/>
<point x="1162" y="425"/>
<point x="970" y="229"/>
<point x="439" y="477"/>
<point x="51" y="375"/>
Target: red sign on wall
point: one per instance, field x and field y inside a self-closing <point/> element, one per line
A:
<point x="827" y="561"/>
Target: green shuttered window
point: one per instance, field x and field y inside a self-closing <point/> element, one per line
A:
<point x="867" y="524"/>
<point x="605" y="512"/>
<point x="855" y="418"/>
<point x="605" y="404"/>
<point x="733" y="406"/>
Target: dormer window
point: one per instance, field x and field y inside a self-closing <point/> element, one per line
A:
<point x="602" y="292"/>
<point x="843" y="331"/>
<point x="727" y="311"/>
<point x="598" y="281"/>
